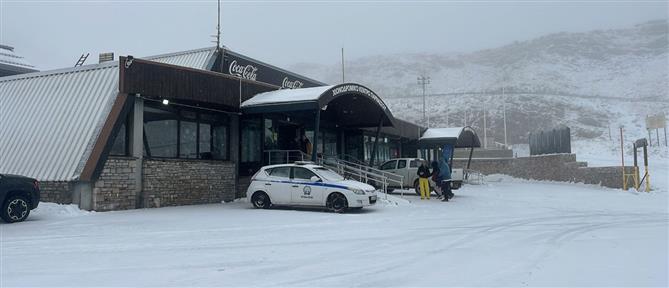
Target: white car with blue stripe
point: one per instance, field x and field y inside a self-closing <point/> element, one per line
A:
<point x="306" y="184"/>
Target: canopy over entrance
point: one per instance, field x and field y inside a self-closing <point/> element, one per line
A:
<point x="348" y="104"/>
<point x="459" y="137"/>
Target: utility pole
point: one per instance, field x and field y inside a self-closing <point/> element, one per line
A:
<point x="464" y="121"/>
<point x="485" y="129"/>
<point x="342" y="66"/>
<point x="506" y="144"/>
<point x="424" y="81"/>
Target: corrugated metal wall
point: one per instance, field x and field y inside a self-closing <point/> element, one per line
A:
<point x="49" y="120"/>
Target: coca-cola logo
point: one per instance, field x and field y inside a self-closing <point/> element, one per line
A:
<point x="244" y="71"/>
<point x="291" y="84"/>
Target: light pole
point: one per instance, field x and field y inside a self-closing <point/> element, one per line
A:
<point x="423" y="81"/>
<point x="485" y="129"/>
<point x="506" y="144"/>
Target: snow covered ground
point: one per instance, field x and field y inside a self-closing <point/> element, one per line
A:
<point x="505" y="233"/>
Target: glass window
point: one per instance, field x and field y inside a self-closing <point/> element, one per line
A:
<point x="401" y="164"/>
<point x="302" y="173"/>
<point x="187" y="148"/>
<point x="220" y="142"/>
<point x="283" y="172"/>
<point x="160" y="127"/>
<point x="329" y="174"/>
<point x="414" y="164"/>
<point x="190" y="133"/>
<point x="270" y="135"/>
<point x="389" y="165"/>
<point x="120" y="146"/>
<point x="251" y="138"/>
<point x="204" y="142"/>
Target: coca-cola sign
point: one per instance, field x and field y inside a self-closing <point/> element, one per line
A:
<point x="245" y="71"/>
<point x="244" y="67"/>
<point x="288" y="84"/>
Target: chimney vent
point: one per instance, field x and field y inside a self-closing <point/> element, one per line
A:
<point x="106" y="57"/>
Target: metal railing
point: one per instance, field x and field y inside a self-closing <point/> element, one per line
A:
<point x="284" y="156"/>
<point x="363" y="173"/>
<point x="472" y="177"/>
<point x="347" y="169"/>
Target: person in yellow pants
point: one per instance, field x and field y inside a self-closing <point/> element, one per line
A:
<point x="423" y="183"/>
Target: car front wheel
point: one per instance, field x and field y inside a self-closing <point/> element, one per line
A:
<point x="15" y="209"/>
<point x="337" y="203"/>
<point x="260" y="200"/>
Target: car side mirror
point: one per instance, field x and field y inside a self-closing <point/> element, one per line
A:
<point x="315" y="179"/>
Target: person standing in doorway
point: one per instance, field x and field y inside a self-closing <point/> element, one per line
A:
<point x="423" y="182"/>
<point x="305" y="145"/>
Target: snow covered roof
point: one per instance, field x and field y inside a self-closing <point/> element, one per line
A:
<point x="460" y="137"/>
<point x="51" y="119"/>
<point x="360" y="104"/>
<point x="287" y="96"/>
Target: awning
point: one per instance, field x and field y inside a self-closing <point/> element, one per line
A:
<point x="350" y="104"/>
<point x="459" y="137"/>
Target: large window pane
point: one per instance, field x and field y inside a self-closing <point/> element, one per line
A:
<point x="251" y="137"/>
<point x="119" y="148"/>
<point x="160" y="128"/>
<point x="161" y="137"/>
<point x="187" y="140"/>
<point x="205" y="141"/>
<point x="220" y="142"/>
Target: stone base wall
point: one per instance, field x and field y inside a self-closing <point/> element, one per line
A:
<point x="115" y="188"/>
<point x="554" y="167"/>
<point x="56" y="191"/>
<point x="171" y="182"/>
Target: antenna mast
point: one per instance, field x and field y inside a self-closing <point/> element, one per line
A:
<point x="218" y="27"/>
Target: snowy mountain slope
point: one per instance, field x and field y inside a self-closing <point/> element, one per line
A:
<point x="587" y="81"/>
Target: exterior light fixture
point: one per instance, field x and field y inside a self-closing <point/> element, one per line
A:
<point x="166" y="102"/>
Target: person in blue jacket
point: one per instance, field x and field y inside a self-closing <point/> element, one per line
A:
<point x="445" y="179"/>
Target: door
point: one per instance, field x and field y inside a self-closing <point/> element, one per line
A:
<point x="412" y="173"/>
<point x="305" y="191"/>
<point x="278" y="185"/>
<point x="389" y="166"/>
<point x="402" y="169"/>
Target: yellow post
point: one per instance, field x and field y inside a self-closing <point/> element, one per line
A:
<point x="645" y="164"/>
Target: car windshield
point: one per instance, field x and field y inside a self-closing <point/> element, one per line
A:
<point x="328" y="174"/>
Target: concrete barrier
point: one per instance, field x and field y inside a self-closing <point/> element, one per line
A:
<point x="552" y="167"/>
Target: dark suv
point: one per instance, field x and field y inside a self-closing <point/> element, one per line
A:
<point x="18" y="195"/>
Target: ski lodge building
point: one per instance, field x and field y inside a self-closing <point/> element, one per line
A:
<point x="183" y="128"/>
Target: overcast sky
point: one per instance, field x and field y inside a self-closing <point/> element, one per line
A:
<point x="53" y="34"/>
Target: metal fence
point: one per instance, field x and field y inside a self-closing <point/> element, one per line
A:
<point x="557" y="140"/>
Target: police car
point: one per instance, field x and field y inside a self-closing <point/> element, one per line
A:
<point x="306" y="184"/>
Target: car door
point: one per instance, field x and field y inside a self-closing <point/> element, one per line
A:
<point x="412" y="173"/>
<point x="402" y="169"/>
<point x="389" y="166"/>
<point x="278" y="185"/>
<point x="304" y="190"/>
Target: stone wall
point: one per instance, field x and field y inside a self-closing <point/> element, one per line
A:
<point x="56" y="191"/>
<point x="172" y="182"/>
<point x="115" y="188"/>
<point x="553" y="167"/>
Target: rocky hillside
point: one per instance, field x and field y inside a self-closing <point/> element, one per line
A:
<point x="588" y="81"/>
